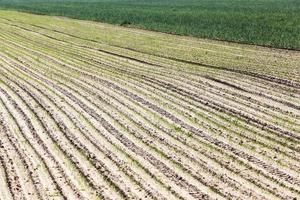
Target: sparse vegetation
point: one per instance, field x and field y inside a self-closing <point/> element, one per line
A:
<point x="95" y="111"/>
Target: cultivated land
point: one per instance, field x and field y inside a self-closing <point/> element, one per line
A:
<point x="95" y="111"/>
<point x="274" y="23"/>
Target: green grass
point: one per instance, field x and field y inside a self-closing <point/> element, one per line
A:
<point x="273" y="23"/>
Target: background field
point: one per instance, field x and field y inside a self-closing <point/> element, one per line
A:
<point x="273" y="23"/>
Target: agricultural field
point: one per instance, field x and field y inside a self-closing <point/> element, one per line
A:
<point x="274" y="23"/>
<point x="96" y="111"/>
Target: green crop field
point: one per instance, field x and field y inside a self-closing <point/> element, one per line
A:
<point x="273" y="23"/>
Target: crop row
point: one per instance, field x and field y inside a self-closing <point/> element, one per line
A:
<point x="79" y="121"/>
